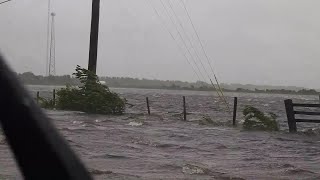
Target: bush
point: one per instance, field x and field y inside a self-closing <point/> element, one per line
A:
<point x="46" y="103"/>
<point x="91" y="96"/>
<point x="257" y="120"/>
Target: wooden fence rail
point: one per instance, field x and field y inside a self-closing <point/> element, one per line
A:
<point x="292" y="120"/>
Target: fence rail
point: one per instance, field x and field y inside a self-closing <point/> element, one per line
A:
<point x="292" y="120"/>
<point x="305" y="105"/>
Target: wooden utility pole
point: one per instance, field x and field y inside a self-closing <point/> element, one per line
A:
<point x="94" y="36"/>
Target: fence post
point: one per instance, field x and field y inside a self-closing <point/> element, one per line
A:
<point x="147" y="99"/>
<point x="290" y="115"/>
<point x="184" y="109"/>
<point x="54" y="97"/>
<point x="235" y="104"/>
<point x="38" y="97"/>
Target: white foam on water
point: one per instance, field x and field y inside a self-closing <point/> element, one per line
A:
<point x="135" y="123"/>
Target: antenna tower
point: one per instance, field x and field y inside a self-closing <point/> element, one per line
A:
<point x="52" y="49"/>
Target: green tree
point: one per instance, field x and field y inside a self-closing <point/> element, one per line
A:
<point x="91" y="96"/>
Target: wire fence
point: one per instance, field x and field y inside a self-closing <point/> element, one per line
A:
<point x="192" y="106"/>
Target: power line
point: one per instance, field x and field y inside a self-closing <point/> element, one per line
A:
<point x="174" y="24"/>
<point x="186" y="35"/>
<point x="5" y="1"/>
<point x="190" y="42"/>
<point x="166" y="28"/>
<point x="202" y="47"/>
<point x="198" y="37"/>
<point x="218" y="91"/>
<point x="182" y="39"/>
<point x="186" y="46"/>
<point x="197" y="34"/>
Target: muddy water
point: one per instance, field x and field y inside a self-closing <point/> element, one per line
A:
<point x="162" y="146"/>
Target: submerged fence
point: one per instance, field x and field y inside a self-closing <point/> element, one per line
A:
<point x="40" y="99"/>
<point x="289" y="109"/>
<point x="184" y="109"/>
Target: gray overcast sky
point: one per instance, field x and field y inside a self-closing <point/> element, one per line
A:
<point x="249" y="41"/>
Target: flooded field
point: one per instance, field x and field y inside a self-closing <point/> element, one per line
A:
<point x="162" y="146"/>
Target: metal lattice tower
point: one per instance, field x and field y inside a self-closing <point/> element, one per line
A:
<point x="52" y="49"/>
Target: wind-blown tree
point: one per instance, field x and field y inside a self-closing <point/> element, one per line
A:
<point x="91" y="96"/>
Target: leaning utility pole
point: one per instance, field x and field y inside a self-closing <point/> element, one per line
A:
<point x="94" y="36"/>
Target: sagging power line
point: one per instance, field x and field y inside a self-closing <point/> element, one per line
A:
<point x="5" y="1"/>
<point x="174" y="39"/>
<point x="202" y="47"/>
<point x="183" y="40"/>
<point x="193" y="47"/>
<point x="218" y="90"/>
<point x="183" y="35"/>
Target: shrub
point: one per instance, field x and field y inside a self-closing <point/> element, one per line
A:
<point x="91" y="96"/>
<point x="46" y="103"/>
<point x="257" y="120"/>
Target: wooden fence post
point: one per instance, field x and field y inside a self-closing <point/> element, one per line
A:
<point x="235" y="104"/>
<point x="184" y="109"/>
<point x="38" y="97"/>
<point x="147" y="99"/>
<point x="290" y="115"/>
<point x="54" y="97"/>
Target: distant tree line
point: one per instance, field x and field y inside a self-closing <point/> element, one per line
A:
<point x="126" y="82"/>
<point x="31" y="79"/>
<point x="280" y="91"/>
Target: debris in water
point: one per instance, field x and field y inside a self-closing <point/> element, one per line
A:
<point x="311" y="132"/>
<point x="257" y="120"/>
<point x="206" y="120"/>
<point x="99" y="172"/>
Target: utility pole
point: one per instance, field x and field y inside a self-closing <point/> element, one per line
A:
<point x="94" y="36"/>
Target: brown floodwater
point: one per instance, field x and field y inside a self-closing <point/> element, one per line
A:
<point x="163" y="146"/>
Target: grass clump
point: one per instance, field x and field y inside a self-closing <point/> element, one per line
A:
<point x="257" y="120"/>
<point x="46" y="103"/>
<point x="90" y="97"/>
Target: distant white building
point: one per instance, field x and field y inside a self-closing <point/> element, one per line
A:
<point x="102" y="82"/>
